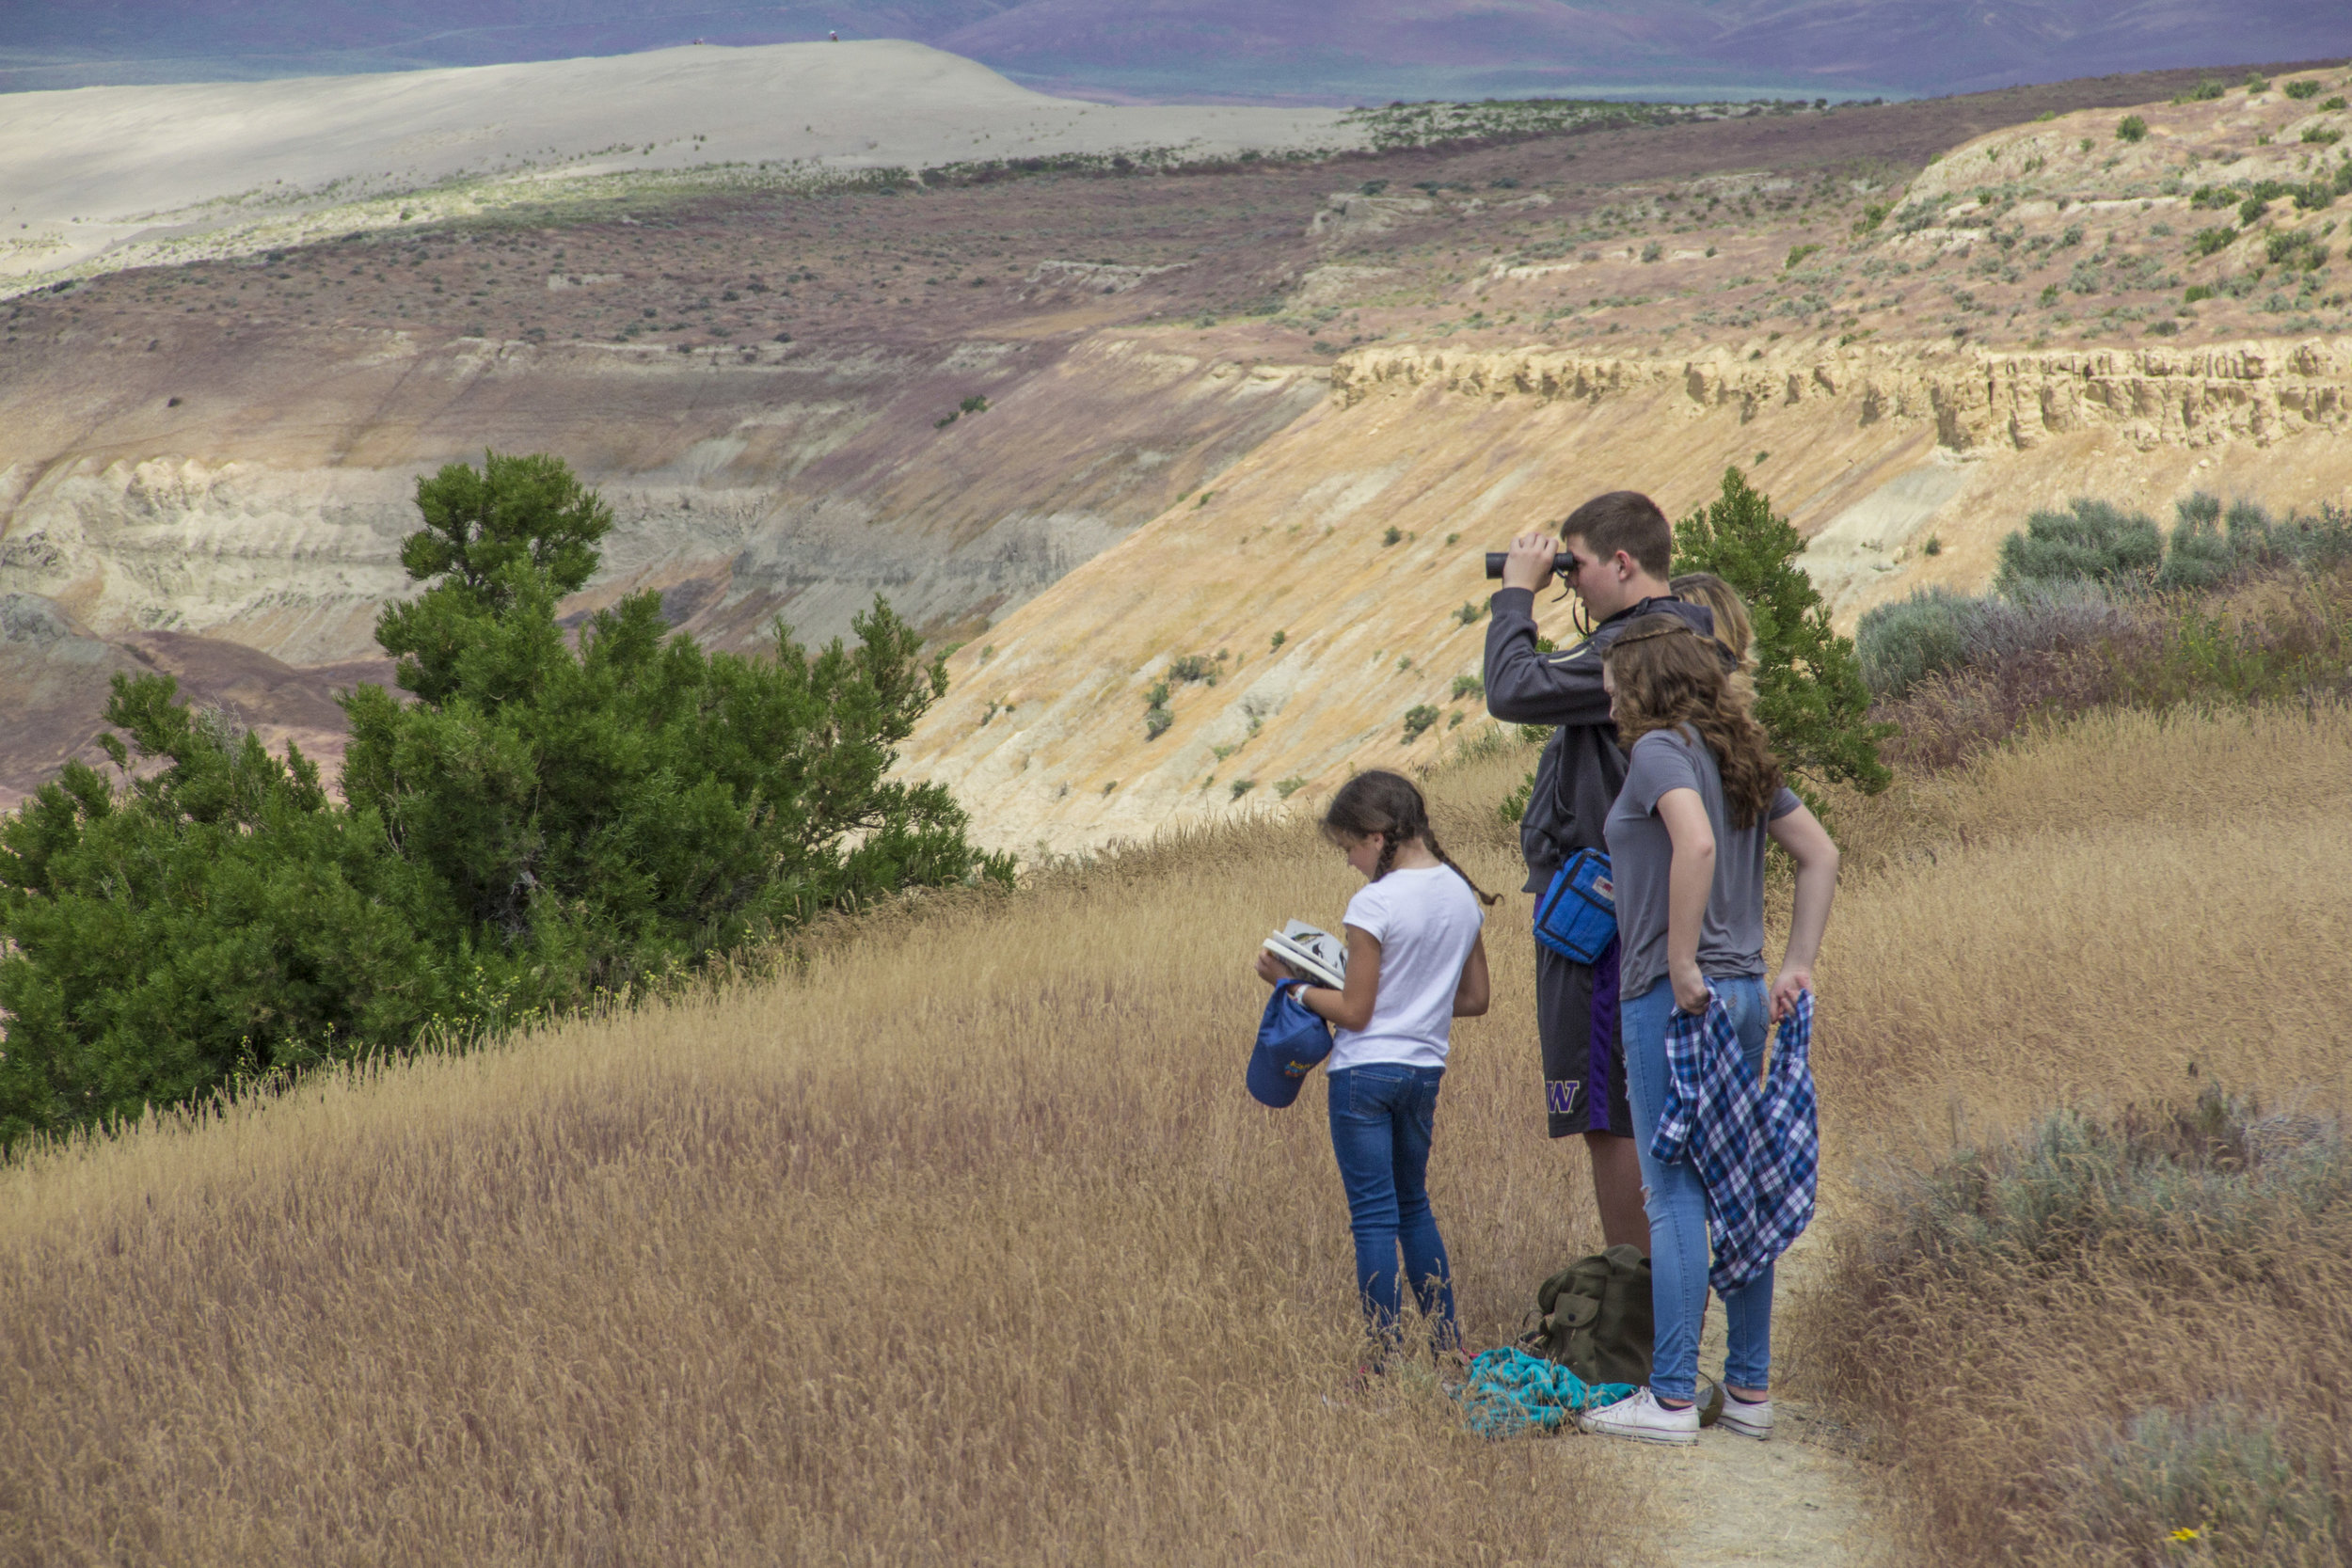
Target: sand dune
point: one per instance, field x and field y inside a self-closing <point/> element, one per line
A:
<point x="99" y="168"/>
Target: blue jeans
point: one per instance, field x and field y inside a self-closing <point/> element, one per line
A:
<point x="1381" y="1117"/>
<point x="1676" y="1201"/>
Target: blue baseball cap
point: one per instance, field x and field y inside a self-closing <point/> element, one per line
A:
<point x="1291" y="1041"/>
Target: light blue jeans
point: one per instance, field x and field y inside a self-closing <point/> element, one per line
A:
<point x="1676" y="1201"/>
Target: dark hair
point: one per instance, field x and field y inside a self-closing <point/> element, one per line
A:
<point x="1387" y="803"/>
<point x="1625" y="521"/>
<point x="1667" y="677"/>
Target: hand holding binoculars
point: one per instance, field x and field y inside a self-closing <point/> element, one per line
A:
<point x="1563" y="565"/>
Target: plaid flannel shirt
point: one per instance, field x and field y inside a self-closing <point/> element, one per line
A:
<point x="1757" y="1146"/>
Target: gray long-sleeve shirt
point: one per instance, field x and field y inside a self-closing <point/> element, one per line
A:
<point x="1582" y="770"/>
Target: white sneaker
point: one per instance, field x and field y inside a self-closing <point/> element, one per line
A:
<point x="1748" y="1421"/>
<point x="1641" y="1417"/>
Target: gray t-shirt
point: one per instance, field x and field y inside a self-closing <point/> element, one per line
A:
<point x="1641" y="854"/>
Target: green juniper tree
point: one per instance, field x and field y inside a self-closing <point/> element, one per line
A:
<point x="538" y="822"/>
<point x="214" y="916"/>
<point x="638" y="804"/>
<point x="1809" y="692"/>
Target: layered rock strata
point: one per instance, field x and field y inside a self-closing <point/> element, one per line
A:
<point x="1355" y="534"/>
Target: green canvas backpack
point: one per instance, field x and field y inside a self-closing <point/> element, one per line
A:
<point x="1596" y="1319"/>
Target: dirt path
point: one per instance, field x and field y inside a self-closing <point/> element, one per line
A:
<point x="1801" y="1498"/>
<point x="1797" y="1500"/>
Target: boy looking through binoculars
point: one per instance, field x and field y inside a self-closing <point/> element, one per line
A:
<point x="1614" y="554"/>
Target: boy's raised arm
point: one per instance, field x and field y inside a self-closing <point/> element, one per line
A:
<point x="1528" y="687"/>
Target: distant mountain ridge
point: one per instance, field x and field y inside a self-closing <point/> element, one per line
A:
<point x="1299" y="49"/>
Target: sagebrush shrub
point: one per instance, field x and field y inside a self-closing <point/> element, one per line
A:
<point x="2223" y="1481"/>
<point x="2201" y="555"/>
<point x="2091" y="541"/>
<point x="2214" y="1168"/>
<point x="2279" y="632"/>
<point x="2050" y="1253"/>
<point x="1936" y="631"/>
<point x="1903" y="643"/>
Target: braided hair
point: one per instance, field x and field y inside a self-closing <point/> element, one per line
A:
<point x="1389" y="804"/>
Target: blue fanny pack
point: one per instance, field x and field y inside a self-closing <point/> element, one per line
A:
<point x="1577" y="916"/>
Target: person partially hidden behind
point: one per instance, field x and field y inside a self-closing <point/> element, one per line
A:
<point x="1623" y="548"/>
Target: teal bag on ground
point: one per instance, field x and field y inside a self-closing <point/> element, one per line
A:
<point x="1510" y="1392"/>
<point x="1577" y="916"/>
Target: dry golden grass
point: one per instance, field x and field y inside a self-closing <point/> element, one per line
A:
<point x="2076" y="921"/>
<point x="2083" y="916"/>
<point x="965" y="1245"/>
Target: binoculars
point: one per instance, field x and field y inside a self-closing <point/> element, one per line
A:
<point x="1563" y="565"/>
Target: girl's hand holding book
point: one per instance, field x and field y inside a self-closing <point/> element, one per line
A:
<point x="1273" y="971"/>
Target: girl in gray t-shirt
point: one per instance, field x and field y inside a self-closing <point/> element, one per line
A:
<point x="1641" y="853"/>
<point x="1686" y="852"/>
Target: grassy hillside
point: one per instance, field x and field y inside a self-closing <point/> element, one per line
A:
<point x="964" y="1244"/>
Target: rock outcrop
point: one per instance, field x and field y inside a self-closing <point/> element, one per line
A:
<point x="2149" y="396"/>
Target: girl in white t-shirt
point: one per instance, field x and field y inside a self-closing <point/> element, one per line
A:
<point x="1415" y="964"/>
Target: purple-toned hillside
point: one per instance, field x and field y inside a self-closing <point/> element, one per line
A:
<point x="1321" y="50"/>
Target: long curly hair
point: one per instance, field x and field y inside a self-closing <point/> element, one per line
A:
<point x="1667" y="677"/>
<point x="1389" y="804"/>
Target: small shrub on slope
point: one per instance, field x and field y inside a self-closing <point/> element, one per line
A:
<point x="2094" y="543"/>
<point x="2210" y="1170"/>
<point x="1936" y="631"/>
<point x="2284" y="633"/>
<point x="2240" y="1486"/>
<point x="2200" y="554"/>
<point x="2090" y="541"/>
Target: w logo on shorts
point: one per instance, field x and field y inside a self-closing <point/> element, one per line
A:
<point x="1559" y="1095"/>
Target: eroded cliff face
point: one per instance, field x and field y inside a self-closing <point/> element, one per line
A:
<point x="2150" y="396"/>
<point x="1871" y="452"/>
<point x="757" y="485"/>
<point x="746" y="484"/>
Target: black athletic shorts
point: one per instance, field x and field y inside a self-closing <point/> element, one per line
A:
<point x="1576" y="1017"/>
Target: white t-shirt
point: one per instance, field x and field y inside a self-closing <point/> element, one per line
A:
<point x="1426" y="921"/>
